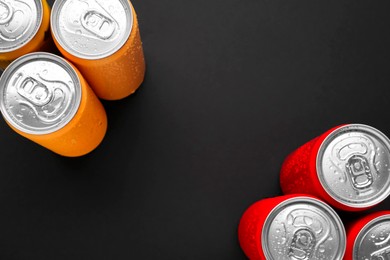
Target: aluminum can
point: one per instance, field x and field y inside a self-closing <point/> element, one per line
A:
<point x="348" y="167"/>
<point x="24" y="28"/>
<point x="369" y="237"/>
<point x="102" y="39"/>
<point x="45" y="99"/>
<point x="291" y="227"/>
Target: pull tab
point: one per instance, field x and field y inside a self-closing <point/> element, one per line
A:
<point x="359" y="171"/>
<point x="98" y="24"/>
<point x="302" y="244"/>
<point x="6" y="12"/>
<point x="34" y="91"/>
<point x="381" y="254"/>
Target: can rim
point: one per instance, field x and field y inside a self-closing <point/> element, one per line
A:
<point x="366" y="227"/>
<point x="26" y="58"/>
<point x="329" y="138"/>
<point x="55" y="32"/>
<point x="328" y="210"/>
<point x="37" y="27"/>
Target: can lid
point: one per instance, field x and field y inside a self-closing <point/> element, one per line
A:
<point x="373" y="241"/>
<point x="303" y="228"/>
<point x="19" y="23"/>
<point x="353" y="165"/>
<point x="91" y="29"/>
<point x="39" y="93"/>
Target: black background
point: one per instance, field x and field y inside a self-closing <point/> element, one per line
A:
<point x="232" y="87"/>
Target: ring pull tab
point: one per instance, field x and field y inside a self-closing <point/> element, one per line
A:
<point x="6" y="12"/>
<point x="359" y="172"/>
<point x="302" y="244"/>
<point x="98" y="24"/>
<point x="381" y="254"/>
<point x="34" y="91"/>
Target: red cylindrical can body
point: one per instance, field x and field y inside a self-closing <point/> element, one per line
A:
<point x="369" y="237"/>
<point x="291" y="226"/>
<point x="347" y="167"/>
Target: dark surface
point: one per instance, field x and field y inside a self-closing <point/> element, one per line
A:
<point x="232" y="87"/>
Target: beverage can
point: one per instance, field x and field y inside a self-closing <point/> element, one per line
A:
<point x="369" y="237"/>
<point x="24" y="28"/>
<point x="348" y="167"/>
<point x="291" y="227"/>
<point x="102" y="39"/>
<point x="45" y="99"/>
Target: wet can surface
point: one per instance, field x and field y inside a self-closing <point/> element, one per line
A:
<point x="369" y="237"/>
<point x="347" y="166"/>
<point x="24" y="28"/>
<point x="45" y="99"/>
<point x="291" y="227"/>
<point x="102" y="39"/>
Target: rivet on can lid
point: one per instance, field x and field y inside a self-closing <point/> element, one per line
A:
<point x="39" y="93"/>
<point x="91" y="29"/>
<point x="19" y="22"/>
<point x="353" y="165"/>
<point x="303" y="228"/>
<point x="373" y="241"/>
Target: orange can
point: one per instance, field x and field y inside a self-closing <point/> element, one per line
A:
<point x="45" y="99"/>
<point x="24" y="28"/>
<point x="102" y="39"/>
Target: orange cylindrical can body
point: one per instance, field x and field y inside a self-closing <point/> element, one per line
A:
<point x="117" y="75"/>
<point x="85" y="128"/>
<point x="41" y="41"/>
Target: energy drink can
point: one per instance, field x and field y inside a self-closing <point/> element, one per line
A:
<point x="348" y="167"/>
<point x="102" y="39"/>
<point x="24" y="28"/>
<point x="291" y="227"/>
<point x="45" y="99"/>
<point x="369" y="237"/>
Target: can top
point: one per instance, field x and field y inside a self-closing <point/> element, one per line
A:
<point x="91" y="29"/>
<point x="353" y="165"/>
<point x="373" y="241"/>
<point x="303" y="228"/>
<point x="39" y="93"/>
<point x="19" y="23"/>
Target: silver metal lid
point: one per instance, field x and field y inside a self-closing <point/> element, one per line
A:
<point x="91" y="29"/>
<point x="39" y="93"/>
<point x="353" y="165"/>
<point x="19" y="22"/>
<point x="373" y="241"/>
<point x="303" y="228"/>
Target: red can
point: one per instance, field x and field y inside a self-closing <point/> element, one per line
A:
<point x="369" y="237"/>
<point x="291" y="227"/>
<point x="347" y="167"/>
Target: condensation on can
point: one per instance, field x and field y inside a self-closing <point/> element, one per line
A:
<point x="24" y="28"/>
<point x="347" y="166"/>
<point x="292" y="227"/>
<point x="45" y="99"/>
<point x="102" y="39"/>
<point x="353" y="165"/>
<point x="371" y="239"/>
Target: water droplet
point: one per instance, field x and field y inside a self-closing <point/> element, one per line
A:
<point x="75" y="21"/>
<point x="277" y="230"/>
<point x="321" y="249"/>
<point x="330" y="238"/>
<point x="78" y="32"/>
<point x="341" y="179"/>
<point x="372" y="235"/>
<point x="44" y="72"/>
